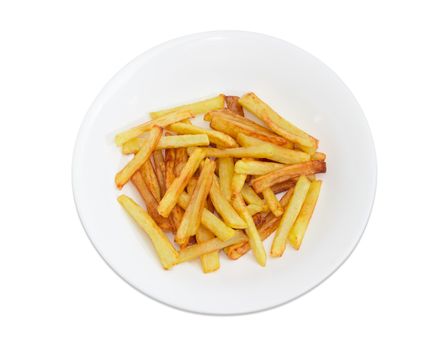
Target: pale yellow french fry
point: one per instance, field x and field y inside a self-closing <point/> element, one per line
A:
<point x="225" y="173"/>
<point x="172" y="194"/>
<point x="272" y="202"/>
<point x="195" y="108"/>
<point x="224" y="208"/>
<point x="298" y="230"/>
<point x="123" y="176"/>
<point x="149" y="176"/>
<point x="209" y="262"/>
<point x="165" y="250"/>
<point x="218" y="138"/>
<point x="254" y="209"/>
<point x="251" y="197"/>
<point x="275" y="122"/>
<point x="238" y="181"/>
<point x="195" y="251"/>
<point x="209" y="220"/>
<point x="178" y="141"/>
<point x="192" y="219"/>
<point x="252" y="232"/>
<point x="290" y="215"/>
<point x="163" y="121"/>
<point x="256" y="167"/>
<point x="318" y="156"/>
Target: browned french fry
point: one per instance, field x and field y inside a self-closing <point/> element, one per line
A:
<point x="191" y="185"/>
<point x="288" y="219"/>
<point x="199" y="249"/>
<point x="195" y="108"/>
<point x="298" y="230"/>
<point x="209" y="262"/>
<point x="123" y="176"/>
<point x="150" y="202"/>
<point x="166" y="252"/>
<point x="290" y="172"/>
<point x="149" y="176"/>
<point x="180" y="160"/>
<point x="163" y="121"/>
<point x="283" y="186"/>
<point x="275" y="122"/>
<point x="172" y="194"/>
<point x="256" y="167"/>
<point x="252" y="232"/>
<point x="174" y="141"/>
<point x="272" y="202"/>
<point x="232" y="103"/>
<point x="192" y="218"/>
<point x="225" y="173"/>
<point x="218" y="138"/>
<point x="160" y="170"/>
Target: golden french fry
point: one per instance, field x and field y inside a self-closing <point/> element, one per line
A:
<point x="149" y="176"/>
<point x="318" y="156"/>
<point x="214" y="244"/>
<point x="284" y="186"/>
<point x="232" y="103"/>
<point x="251" y="197"/>
<point x="254" y="209"/>
<point x="180" y="160"/>
<point x="275" y="122"/>
<point x="266" y="225"/>
<point x="225" y="173"/>
<point x="255" y="167"/>
<point x="288" y="219"/>
<point x="172" y="194"/>
<point x="287" y="173"/>
<point x="298" y="230"/>
<point x="123" y="176"/>
<point x="209" y="262"/>
<point x="218" y="138"/>
<point x="272" y="202"/>
<point x="252" y="232"/>
<point x="238" y="180"/>
<point x="192" y="218"/>
<point x="167" y="119"/>
<point x="160" y="170"/>
<point x="191" y="185"/>
<point x="224" y="208"/>
<point x="165" y="250"/>
<point x="178" y="141"/>
<point x="195" y="108"/>
<point x="150" y="202"/>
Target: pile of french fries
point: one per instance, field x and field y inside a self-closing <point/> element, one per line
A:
<point x="216" y="189"/>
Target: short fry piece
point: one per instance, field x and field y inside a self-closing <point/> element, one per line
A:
<point x="195" y="108"/>
<point x="224" y="208"/>
<point x="165" y="120"/>
<point x="288" y="173"/>
<point x="225" y="173"/>
<point x="288" y="219"/>
<point x="148" y="174"/>
<point x="299" y="228"/>
<point x="272" y="202"/>
<point x="252" y="232"/>
<point x="209" y="262"/>
<point x="256" y="167"/>
<point x="318" y="156"/>
<point x="218" y="138"/>
<point x="123" y="176"/>
<point x="232" y="103"/>
<point x="133" y="145"/>
<point x="251" y="197"/>
<point x="199" y="249"/>
<point x="172" y="194"/>
<point x="238" y="181"/>
<point x="192" y="218"/>
<point x="166" y="252"/>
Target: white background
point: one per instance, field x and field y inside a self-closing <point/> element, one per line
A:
<point x="55" y="290"/>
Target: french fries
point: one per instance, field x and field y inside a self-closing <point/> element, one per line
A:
<point x="166" y="252"/>
<point x="278" y="124"/>
<point x="252" y="232"/>
<point x="218" y="138"/>
<point x="165" y="142"/>
<point x="195" y="108"/>
<point x="163" y="121"/>
<point x="224" y="208"/>
<point x="207" y="186"/>
<point x="192" y="218"/>
<point x="291" y="213"/>
<point x="123" y="176"/>
<point x="297" y="232"/>
<point x="288" y="173"/>
<point x="172" y="194"/>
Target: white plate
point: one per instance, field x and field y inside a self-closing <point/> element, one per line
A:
<point x="299" y="87"/>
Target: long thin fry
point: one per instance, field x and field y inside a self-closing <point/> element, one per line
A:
<point x="178" y="141"/>
<point x="298" y="230"/>
<point x="160" y="170"/>
<point x="149" y="176"/>
<point x="166" y="252"/>
<point x="123" y="176"/>
<point x="218" y="138"/>
<point x="163" y="121"/>
<point x="225" y="173"/>
<point x="256" y="167"/>
<point x="172" y="194"/>
<point x="180" y="160"/>
<point x="209" y="262"/>
<point x="238" y="181"/>
<point x="272" y="202"/>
